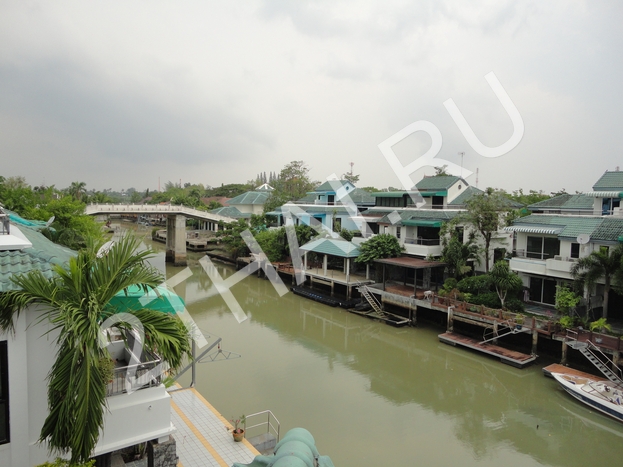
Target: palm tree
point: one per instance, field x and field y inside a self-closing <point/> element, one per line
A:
<point x="504" y="280"/>
<point x="76" y="189"/>
<point x="599" y="264"/>
<point x="75" y="302"/>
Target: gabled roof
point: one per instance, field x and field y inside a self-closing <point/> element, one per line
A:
<point x="361" y="196"/>
<point x="329" y="185"/>
<point x="42" y="256"/>
<point x="465" y="195"/>
<point x="250" y="197"/>
<point x="610" y="230"/>
<point x="230" y="211"/>
<point x="440" y="182"/>
<point x="332" y="247"/>
<point x="610" y="181"/>
<point x="565" y="202"/>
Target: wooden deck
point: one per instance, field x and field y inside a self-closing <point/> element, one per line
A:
<point x="510" y="357"/>
<point x="556" y="368"/>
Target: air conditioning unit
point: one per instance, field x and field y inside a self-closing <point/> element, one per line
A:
<point x="558" y="258"/>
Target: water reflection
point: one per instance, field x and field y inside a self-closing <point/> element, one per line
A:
<point x="376" y="395"/>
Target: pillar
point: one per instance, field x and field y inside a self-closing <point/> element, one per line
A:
<point x="535" y="341"/>
<point x="565" y="347"/>
<point x="347" y="270"/>
<point x="176" y="240"/>
<point x="162" y="454"/>
<point x="450" y="326"/>
<point x="495" y="333"/>
<point x="324" y="265"/>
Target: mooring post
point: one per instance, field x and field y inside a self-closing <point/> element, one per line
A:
<point x="535" y="341"/>
<point x="495" y="333"/>
<point x="450" y="319"/>
<point x="565" y="347"/>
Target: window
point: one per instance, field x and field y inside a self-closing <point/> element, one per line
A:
<point x="575" y="250"/>
<point x="397" y="232"/>
<point x="542" y="247"/>
<point x="460" y="234"/>
<point x="4" y="393"/>
<point x="543" y="290"/>
<point x="437" y="202"/>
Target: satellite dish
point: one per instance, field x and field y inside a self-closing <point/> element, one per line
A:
<point x="49" y="222"/>
<point x="583" y="239"/>
<point x="105" y="248"/>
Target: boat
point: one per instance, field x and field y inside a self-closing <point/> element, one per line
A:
<point x="605" y="396"/>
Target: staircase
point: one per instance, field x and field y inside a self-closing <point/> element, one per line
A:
<point x="371" y="299"/>
<point x="504" y="329"/>
<point x="597" y="358"/>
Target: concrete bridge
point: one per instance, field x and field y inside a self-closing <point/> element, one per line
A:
<point x="176" y="223"/>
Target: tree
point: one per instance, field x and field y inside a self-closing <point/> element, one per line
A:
<point x="486" y="213"/>
<point x="457" y="254"/>
<point x="74" y="301"/>
<point x="504" y="280"/>
<point x="442" y="171"/>
<point x="292" y="183"/>
<point x="379" y="246"/>
<point x="76" y="189"/>
<point x="600" y="264"/>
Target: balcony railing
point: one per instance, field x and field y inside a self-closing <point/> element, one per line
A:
<point x="423" y="241"/>
<point x="534" y="255"/>
<point x="134" y="377"/>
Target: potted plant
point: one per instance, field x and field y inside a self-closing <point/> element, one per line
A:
<point x="238" y="432"/>
<point x="519" y="320"/>
<point x="601" y="326"/>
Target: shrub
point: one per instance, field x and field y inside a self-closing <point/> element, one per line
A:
<point x="475" y="285"/>
<point x="488" y="299"/>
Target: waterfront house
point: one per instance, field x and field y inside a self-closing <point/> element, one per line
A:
<point x="335" y="204"/>
<point x="27" y="354"/>
<point x="563" y="229"/>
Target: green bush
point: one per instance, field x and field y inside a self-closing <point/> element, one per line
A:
<point x="58" y="462"/>
<point x="475" y="285"/>
<point x="272" y="244"/>
<point x="488" y="299"/>
<point x="515" y="305"/>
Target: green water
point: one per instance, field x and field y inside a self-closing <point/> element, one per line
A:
<point x="373" y="395"/>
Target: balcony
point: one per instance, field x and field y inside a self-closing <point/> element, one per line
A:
<point x="541" y="263"/>
<point x="132" y="372"/>
<point x="423" y="246"/>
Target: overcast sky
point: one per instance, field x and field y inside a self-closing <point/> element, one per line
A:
<point x="123" y="94"/>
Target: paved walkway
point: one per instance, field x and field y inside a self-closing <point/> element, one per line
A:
<point x="203" y="438"/>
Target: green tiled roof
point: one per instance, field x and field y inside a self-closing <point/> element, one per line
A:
<point x="42" y="256"/>
<point x="442" y="182"/>
<point x="571" y="226"/>
<point x="333" y="247"/>
<point x="361" y="196"/>
<point x="230" y="211"/>
<point x="326" y="186"/>
<point x="466" y="194"/>
<point x="250" y="197"/>
<point x="609" y="230"/>
<point x="565" y="202"/>
<point x="609" y="181"/>
<point x="421" y="214"/>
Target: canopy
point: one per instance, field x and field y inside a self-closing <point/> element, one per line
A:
<point x="159" y="299"/>
<point x="422" y="223"/>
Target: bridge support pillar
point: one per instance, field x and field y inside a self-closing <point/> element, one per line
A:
<point x="176" y="240"/>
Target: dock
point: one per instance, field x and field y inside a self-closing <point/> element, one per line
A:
<point x="510" y="357"/>
<point x="557" y="368"/>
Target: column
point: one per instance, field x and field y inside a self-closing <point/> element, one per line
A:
<point x="176" y="240"/>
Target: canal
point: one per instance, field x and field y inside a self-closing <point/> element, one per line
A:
<point x="374" y="395"/>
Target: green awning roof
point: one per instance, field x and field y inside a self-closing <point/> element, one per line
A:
<point x="159" y="299"/>
<point x="391" y="194"/>
<point x="332" y="247"/>
<point x="434" y="193"/>
<point x="422" y="223"/>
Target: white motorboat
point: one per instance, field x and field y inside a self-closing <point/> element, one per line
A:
<point x="605" y="396"/>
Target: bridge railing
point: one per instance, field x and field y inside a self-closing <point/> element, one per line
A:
<point x="129" y="208"/>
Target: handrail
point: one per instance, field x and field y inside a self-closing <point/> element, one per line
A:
<point x="268" y="423"/>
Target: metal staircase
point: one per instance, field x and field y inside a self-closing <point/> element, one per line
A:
<point x="504" y="329"/>
<point x="597" y="358"/>
<point x="371" y="299"/>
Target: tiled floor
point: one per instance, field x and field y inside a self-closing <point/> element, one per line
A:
<point x="202" y="434"/>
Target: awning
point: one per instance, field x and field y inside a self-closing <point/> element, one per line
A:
<point x="158" y="299"/>
<point x="534" y="229"/>
<point x="605" y="194"/>
<point x="332" y="247"/>
<point x="422" y="223"/>
<point x="434" y="193"/>
<point x="391" y="194"/>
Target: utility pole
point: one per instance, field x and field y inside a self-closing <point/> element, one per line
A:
<point x="461" y="154"/>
